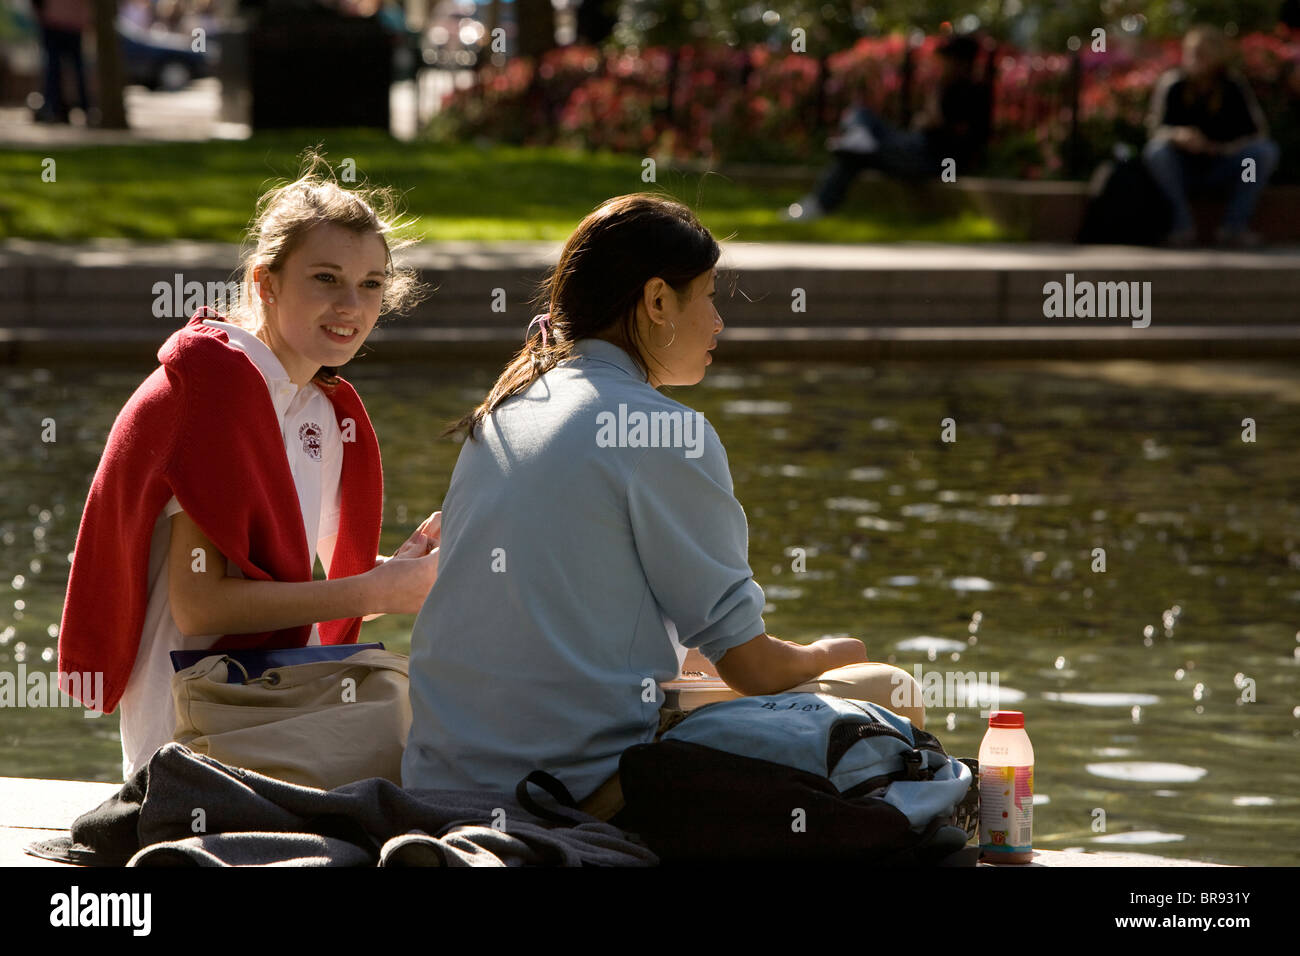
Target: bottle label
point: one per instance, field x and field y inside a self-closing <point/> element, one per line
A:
<point x="1006" y="809"/>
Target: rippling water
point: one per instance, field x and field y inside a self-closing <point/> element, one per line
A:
<point x="1161" y="692"/>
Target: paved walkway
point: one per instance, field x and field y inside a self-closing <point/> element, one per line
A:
<point x="193" y="114"/>
<point x="902" y="300"/>
<point x="188" y="115"/>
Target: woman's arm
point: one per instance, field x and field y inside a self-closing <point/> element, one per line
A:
<point x="1258" y="121"/>
<point x="1157" y="119"/>
<point x="429" y="533"/>
<point x="767" y="665"/>
<point x="691" y="536"/>
<point x="205" y="601"/>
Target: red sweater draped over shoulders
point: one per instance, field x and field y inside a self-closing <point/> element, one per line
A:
<point x="203" y="427"/>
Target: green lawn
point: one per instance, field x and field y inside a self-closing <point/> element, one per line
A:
<point x="208" y="191"/>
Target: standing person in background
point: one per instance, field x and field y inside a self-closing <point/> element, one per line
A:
<point x="62" y="24"/>
<point x="1206" y="129"/>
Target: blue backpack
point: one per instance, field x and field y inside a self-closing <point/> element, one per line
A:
<point x="800" y="776"/>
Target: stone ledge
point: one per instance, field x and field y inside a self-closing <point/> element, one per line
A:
<point x="848" y="343"/>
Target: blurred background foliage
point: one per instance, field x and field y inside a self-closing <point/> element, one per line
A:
<point x="1029" y="24"/>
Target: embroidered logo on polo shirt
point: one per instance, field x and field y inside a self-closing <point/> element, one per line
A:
<point x="310" y="433"/>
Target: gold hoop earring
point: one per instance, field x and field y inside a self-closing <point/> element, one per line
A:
<point x="674" y="338"/>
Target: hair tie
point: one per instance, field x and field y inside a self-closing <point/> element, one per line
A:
<point x="543" y="322"/>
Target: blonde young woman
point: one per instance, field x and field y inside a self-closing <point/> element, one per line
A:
<point x="241" y="459"/>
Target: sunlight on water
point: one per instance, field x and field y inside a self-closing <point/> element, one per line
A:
<point x="927" y="644"/>
<point x="1102" y="699"/>
<point x="756" y="407"/>
<point x="1136" y="837"/>
<point x="902" y="580"/>
<point x="1143" y="772"/>
<point x="970" y="584"/>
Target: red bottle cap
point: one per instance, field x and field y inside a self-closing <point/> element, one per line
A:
<point x="1007" y="718"/>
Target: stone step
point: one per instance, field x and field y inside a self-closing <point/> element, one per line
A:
<point x="57" y="296"/>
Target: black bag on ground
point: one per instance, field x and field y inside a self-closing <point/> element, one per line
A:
<point x="694" y="804"/>
<point x="1125" y="206"/>
<point x="799" y="777"/>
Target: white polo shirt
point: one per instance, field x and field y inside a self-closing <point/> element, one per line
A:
<point x="314" y="449"/>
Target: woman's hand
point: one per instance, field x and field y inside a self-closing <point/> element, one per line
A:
<point x="1191" y="139"/>
<point x="428" y="535"/>
<point x="401" y="583"/>
<point x="841" y="651"/>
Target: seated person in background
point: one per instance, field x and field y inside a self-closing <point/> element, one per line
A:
<point x="954" y="124"/>
<point x="1204" y="123"/>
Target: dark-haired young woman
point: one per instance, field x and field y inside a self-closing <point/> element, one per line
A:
<point x="590" y="534"/>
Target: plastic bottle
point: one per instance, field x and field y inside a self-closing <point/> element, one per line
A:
<point x="1006" y="790"/>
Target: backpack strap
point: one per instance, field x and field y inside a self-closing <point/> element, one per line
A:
<point x="912" y="770"/>
<point x="556" y="789"/>
<point x="846" y="733"/>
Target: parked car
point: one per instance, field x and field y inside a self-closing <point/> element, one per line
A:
<point x="161" y="60"/>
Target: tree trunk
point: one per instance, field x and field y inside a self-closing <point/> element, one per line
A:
<point x="596" y="20"/>
<point x="108" y="66"/>
<point x="536" y="25"/>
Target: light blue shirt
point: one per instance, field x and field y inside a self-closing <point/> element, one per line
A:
<point x="589" y="535"/>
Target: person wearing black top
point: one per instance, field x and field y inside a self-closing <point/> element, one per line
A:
<point x="1204" y="124"/>
<point x="954" y="124"/>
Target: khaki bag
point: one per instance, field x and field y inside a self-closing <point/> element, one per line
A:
<point x="320" y="725"/>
